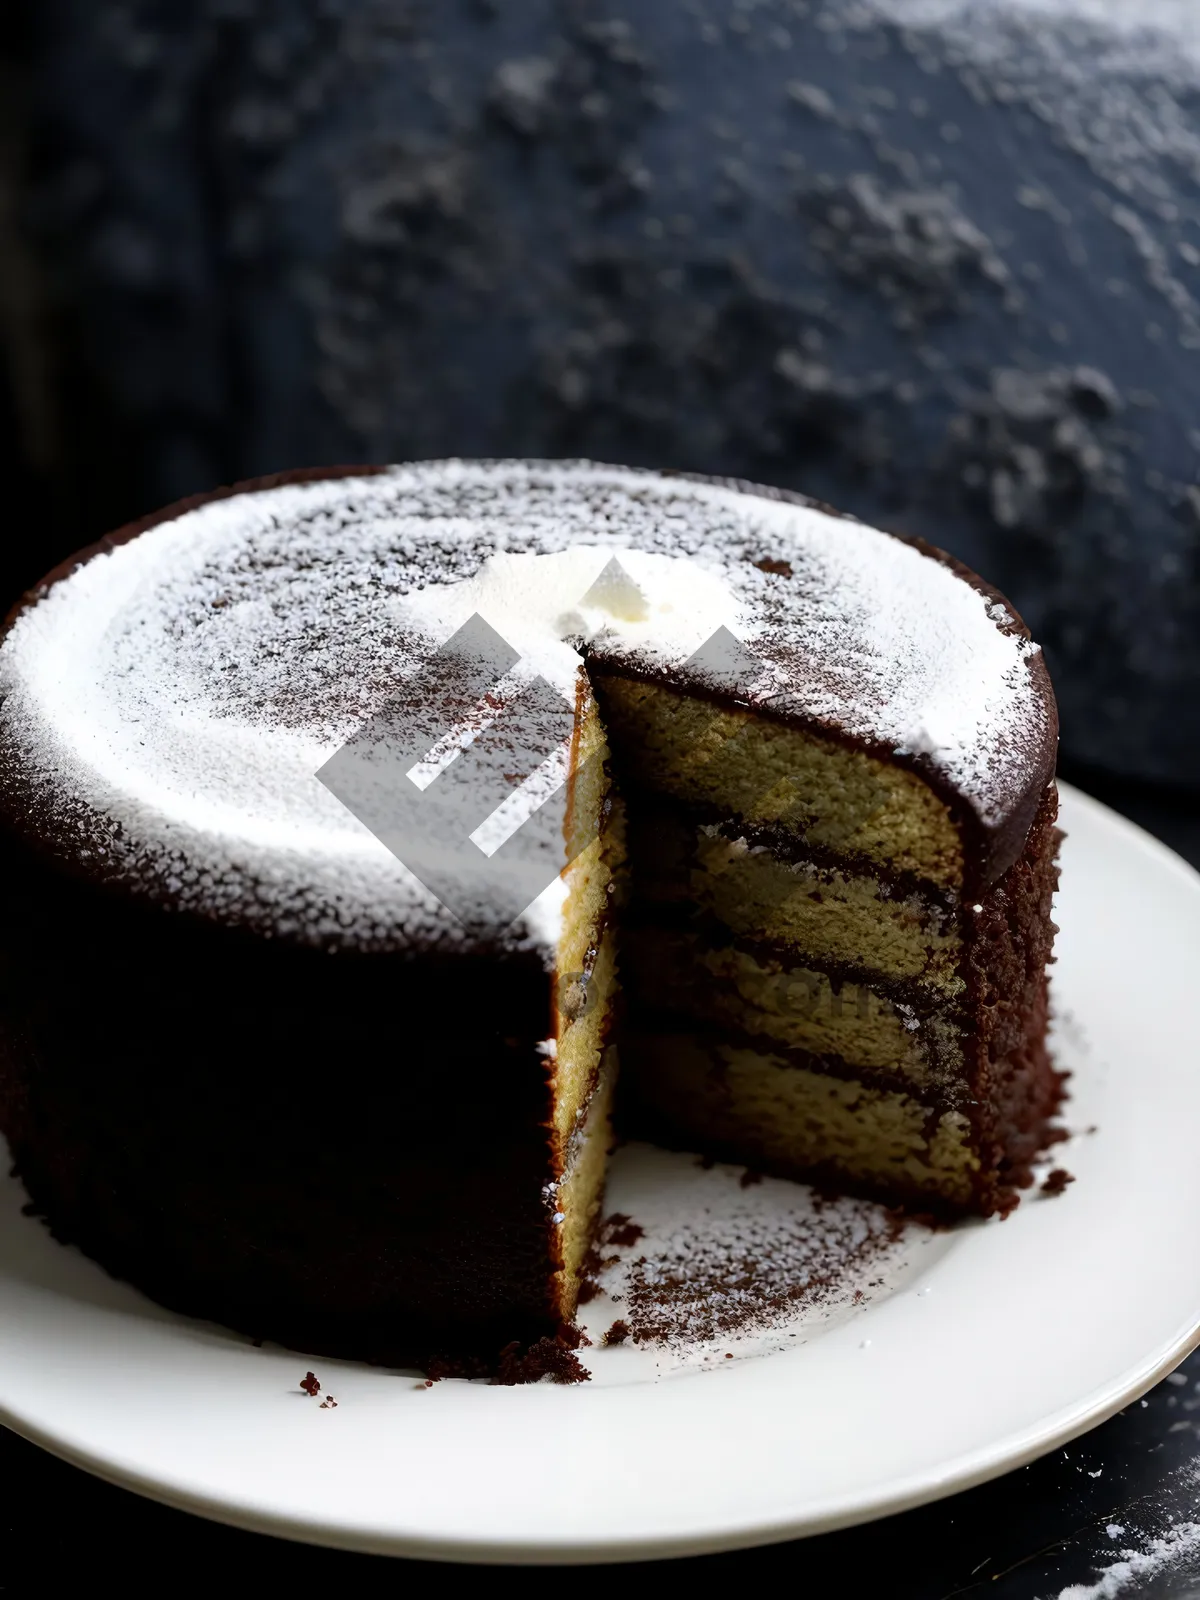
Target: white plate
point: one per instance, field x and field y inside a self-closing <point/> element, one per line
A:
<point x="983" y="1348"/>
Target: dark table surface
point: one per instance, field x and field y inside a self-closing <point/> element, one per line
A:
<point x="1112" y="1516"/>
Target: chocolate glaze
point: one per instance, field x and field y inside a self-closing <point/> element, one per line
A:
<point x="659" y="1021"/>
<point x="342" y="1154"/>
<point x="787" y="845"/>
<point x="1015" y="1089"/>
<point x="907" y="992"/>
<point x="1032" y="1092"/>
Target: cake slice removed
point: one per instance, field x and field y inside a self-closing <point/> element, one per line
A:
<point x="813" y="988"/>
<point x="584" y="1077"/>
<point x="311" y="836"/>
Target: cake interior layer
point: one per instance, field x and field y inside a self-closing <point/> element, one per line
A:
<point x="698" y="1090"/>
<point x="764" y="771"/>
<point x="794" y="953"/>
<point x="586" y="957"/>
<point x="583" y="1075"/>
<point x="579" y="1194"/>
<point x="831" y="913"/>
<point x="585" y="983"/>
<point x="756" y="992"/>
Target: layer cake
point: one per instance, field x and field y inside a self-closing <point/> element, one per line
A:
<point x="352" y="823"/>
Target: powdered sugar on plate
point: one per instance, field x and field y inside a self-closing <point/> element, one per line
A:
<point x="703" y="1263"/>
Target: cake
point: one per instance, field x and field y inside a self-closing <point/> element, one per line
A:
<point x="352" y="822"/>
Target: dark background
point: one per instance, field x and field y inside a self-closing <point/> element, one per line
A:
<point x="946" y="276"/>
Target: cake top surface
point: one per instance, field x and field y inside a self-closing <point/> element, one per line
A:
<point x="172" y="704"/>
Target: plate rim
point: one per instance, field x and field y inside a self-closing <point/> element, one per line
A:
<point x="925" y="1487"/>
<point x="747" y="1534"/>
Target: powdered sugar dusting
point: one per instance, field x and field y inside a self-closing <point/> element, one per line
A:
<point x="172" y="701"/>
<point x="548" y="605"/>
<point x="1126" y="1574"/>
<point x="714" y="1261"/>
<point x="1148" y="1545"/>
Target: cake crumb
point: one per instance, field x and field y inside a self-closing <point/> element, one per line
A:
<point x="731" y="1261"/>
<point x="547" y="1358"/>
<point x="310" y="1385"/>
<point x="550" y="1357"/>
<point x="780" y="569"/>
<point x="329" y="1403"/>
<point x="1057" y="1181"/>
<point x="616" y="1230"/>
<point x="618" y="1333"/>
<point x="620" y="1231"/>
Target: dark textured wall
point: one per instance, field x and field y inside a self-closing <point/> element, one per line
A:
<point x="943" y="275"/>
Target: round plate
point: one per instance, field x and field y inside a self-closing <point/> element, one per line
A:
<point x="974" y="1351"/>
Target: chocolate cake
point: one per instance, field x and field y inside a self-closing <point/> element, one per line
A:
<point x="331" y="804"/>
